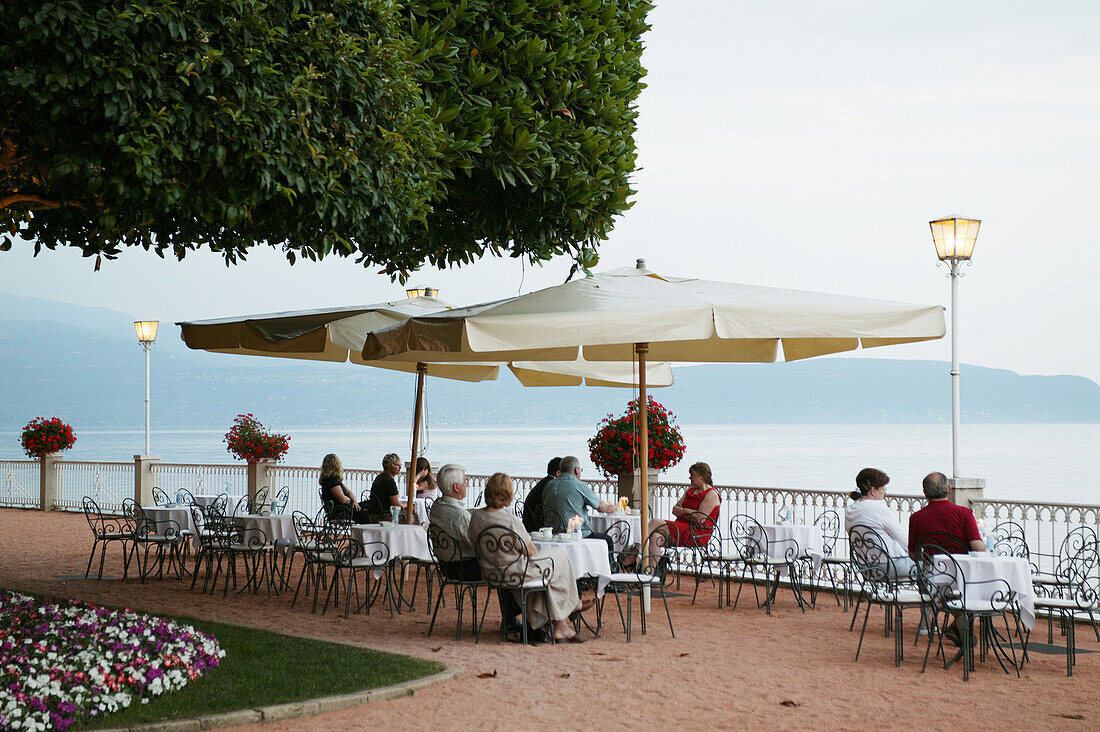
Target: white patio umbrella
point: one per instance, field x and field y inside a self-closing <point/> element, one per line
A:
<point x="339" y="334"/>
<point x="631" y="311"/>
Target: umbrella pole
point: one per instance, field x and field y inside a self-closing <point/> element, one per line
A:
<point x="643" y="451"/>
<point x="410" y="474"/>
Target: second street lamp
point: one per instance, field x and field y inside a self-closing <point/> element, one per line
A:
<point x="954" y="238"/>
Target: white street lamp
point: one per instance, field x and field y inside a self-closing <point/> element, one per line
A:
<point x="954" y="239"/>
<point x="147" y="335"/>
<point x="421" y="292"/>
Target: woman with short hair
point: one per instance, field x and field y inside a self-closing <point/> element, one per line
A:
<point x="561" y="600"/>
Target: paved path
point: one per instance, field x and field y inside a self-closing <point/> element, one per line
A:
<point x="733" y="668"/>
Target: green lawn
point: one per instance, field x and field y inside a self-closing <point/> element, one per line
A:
<point x="262" y="668"/>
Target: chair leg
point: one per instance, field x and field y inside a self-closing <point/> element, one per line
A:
<point x="664" y="599"/>
<point x="866" y="615"/>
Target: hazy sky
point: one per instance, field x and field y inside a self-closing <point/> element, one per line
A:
<point x="801" y="145"/>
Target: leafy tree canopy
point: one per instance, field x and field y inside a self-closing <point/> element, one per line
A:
<point x="429" y="132"/>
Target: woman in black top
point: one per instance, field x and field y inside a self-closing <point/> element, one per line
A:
<point x="383" y="491"/>
<point x="335" y="494"/>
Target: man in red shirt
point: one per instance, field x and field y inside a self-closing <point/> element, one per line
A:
<point x="951" y="527"/>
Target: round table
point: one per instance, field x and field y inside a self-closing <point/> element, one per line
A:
<point x="270" y="529"/>
<point x="160" y="516"/>
<point x="978" y="569"/>
<point x="206" y="499"/>
<point x="601" y="522"/>
<point x="404" y="541"/>
<point x="588" y="557"/>
<point x="804" y="540"/>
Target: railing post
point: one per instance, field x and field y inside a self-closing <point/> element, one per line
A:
<point x="49" y="480"/>
<point x="259" y="474"/>
<point x="965" y="491"/>
<point x="144" y="479"/>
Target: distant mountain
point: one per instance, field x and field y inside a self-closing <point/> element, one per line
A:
<point x="86" y="365"/>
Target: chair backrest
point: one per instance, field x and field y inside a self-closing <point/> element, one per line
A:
<point x="160" y="498"/>
<point x="517" y="507"/>
<point x="656" y="563"/>
<point x="747" y="538"/>
<point x="244" y="506"/>
<point x="619" y="533"/>
<point x="260" y="498"/>
<point x="105" y="524"/>
<point x="185" y="496"/>
<point x="504" y="561"/>
<point x="278" y="505"/>
<point x="428" y="503"/>
<point x="871" y="558"/>
<point x="703" y="534"/>
<point x="480" y="497"/>
<point x="940" y="542"/>
<point x="550" y="517"/>
<point x="829" y="523"/>
<point x="1009" y="540"/>
<point x="220" y="504"/>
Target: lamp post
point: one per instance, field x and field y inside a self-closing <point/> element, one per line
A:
<point x="954" y="238"/>
<point x="147" y="335"/>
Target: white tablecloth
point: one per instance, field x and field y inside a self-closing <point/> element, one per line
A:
<point x="159" y="516"/>
<point x="205" y="499"/>
<point x="588" y="557"/>
<point x="271" y="528"/>
<point x="600" y="522"/>
<point x="806" y="540"/>
<point x="980" y="568"/>
<point x="403" y="540"/>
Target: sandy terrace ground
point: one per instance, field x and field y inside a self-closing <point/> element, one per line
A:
<point x="726" y="669"/>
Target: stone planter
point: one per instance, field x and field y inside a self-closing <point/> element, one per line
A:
<point x="630" y="486"/>
<point x="258" y="476"/>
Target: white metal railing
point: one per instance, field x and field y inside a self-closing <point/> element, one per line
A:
<point x="1045" y="525"/>
<point x="19" y="483"/>
<point x="105" y="483"/>
<point x="200" y="478"/>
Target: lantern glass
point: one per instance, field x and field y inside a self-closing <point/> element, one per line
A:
<point x="421" y="292"/>
<point x="954" y="237"/>
<point x="146" y="330"/>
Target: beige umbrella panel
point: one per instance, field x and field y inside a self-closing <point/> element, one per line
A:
<point x="339" y="334"/>
<point x="615" y="315"/>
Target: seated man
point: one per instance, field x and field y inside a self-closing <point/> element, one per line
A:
<point x="532" y="505"/>
<point x="449" y="514"/>
<point x="568" y="496"/>
<point x="951" y="527"/>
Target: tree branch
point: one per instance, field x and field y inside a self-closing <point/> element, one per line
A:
<point x="40" y="202"/>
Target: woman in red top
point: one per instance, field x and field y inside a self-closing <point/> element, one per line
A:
<point x="701" y="497"/>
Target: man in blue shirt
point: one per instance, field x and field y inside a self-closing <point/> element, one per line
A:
<point x="568" y="496"/>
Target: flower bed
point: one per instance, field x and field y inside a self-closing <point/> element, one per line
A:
<point x="62" y="659"/>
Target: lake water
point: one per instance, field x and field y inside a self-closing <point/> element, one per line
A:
<point x="1029" y="462"/>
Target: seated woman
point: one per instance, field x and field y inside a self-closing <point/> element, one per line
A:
<point x="687" y="528"/>
<point x="425" y="484"/>
<point x="868" y="508"/>
<point x="562" y="595"/>
<point x="335" y="496"/>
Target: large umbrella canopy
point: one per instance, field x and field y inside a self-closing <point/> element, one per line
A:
<point x="617" y="314"/>
<point x="339" y="334"/>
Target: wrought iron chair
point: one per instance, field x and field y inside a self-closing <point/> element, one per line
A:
<point x="428" y="503"/>
<point x="353" y="558"/>
<point x="505" y="567"/>
<point x="107" y="529"/>
<point x="755" y="553"/>
<point x="831" y="564"/>
<point x="1009" y="540"/>
<point x="160" y="498"/>
<point x="185" y="496"/>
<point x="650" y="571"/>
<point x="1058" y="583"/>
<point x="453" y="572"/>
<point x="306" y="532"/>
<point x="553" y="519"/>
<point x="880" y="583"/>
<point x="703" y="550"/>
<point x="619" y="533"/>
<point x="165" y="536"/>
<point x="517" y="507"/>
<point x="950" y="594"/>
<point x="279" y="503"/>
<point x="1079" y="592"/>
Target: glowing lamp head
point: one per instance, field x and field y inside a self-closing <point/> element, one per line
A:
<point x="146" y="330"/>
<point x="954" y="237"/>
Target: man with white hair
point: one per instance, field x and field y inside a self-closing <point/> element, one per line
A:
<point x="568" y="496"/>
<point x="449" y="514"/>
